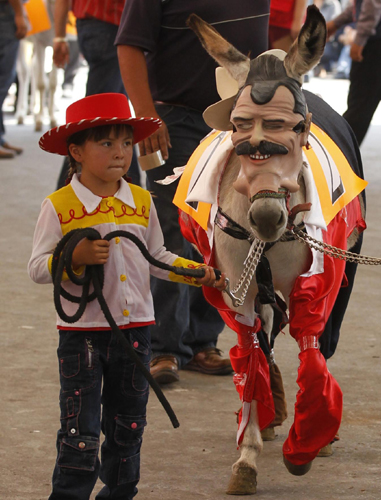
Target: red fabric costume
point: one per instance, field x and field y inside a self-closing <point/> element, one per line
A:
<point x="318" y="406"/>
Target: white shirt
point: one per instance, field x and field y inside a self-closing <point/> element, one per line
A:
<point x="127" y="272"/>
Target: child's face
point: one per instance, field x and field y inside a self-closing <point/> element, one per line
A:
<point x="104" y="162"/>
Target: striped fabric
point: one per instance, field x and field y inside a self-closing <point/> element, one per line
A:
<point x="109" y="11"/>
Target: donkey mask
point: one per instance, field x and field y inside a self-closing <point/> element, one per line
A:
<point x="266" y="109"/>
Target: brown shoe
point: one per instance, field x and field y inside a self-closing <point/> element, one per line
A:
<point x="210" y="361"/>
<point x="12" y="149"/>
<point x="6" y="155"/>
<point x="165" y="369"/>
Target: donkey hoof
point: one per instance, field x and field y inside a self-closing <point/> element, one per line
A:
<point x="326" y="451"/>
<point x="243" y="481"/>
<point x="268" y="434"/>
<point x="297" y="470"/>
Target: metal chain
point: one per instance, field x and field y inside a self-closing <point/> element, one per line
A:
<point x="247" y="275"/>
<point x="256" y="251"/>
<point x="332" y="251"/>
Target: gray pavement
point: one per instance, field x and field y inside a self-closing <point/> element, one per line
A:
<point x="194" y="461"/>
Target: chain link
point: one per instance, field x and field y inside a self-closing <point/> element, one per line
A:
<point x="332" y="251"/>
<point x="256" y="251"/>
<point x="248" y="272"/>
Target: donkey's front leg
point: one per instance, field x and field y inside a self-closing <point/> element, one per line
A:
<point x="243" y="480"/>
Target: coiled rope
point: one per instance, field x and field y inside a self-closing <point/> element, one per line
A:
<point x="94" y="274"/>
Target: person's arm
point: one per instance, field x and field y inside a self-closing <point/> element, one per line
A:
<point x="155" y="245"/>
<point x="298" y="18"/>
<point x="46" y="236"/>
<point x="20" y="19"/>
<point x="60" y="45"/>
<point x="370" y="15"/>
<point x="346" y="17"/>
<point x="133" y="68"/>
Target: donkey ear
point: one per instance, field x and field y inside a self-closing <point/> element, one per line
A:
<point x="308" y="48"/>
<point x="220" y="49"/>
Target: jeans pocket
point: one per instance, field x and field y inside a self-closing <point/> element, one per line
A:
<point x="129" y="469"/>
<point x="134" y="382"/>
<point x="129" y="430"/>
<point x="78" y="371"/>
<point x="96" y="39"/>
<point x="70" y="403"/>
<point x="79" y="454"/>
<point x="70" y="366"/>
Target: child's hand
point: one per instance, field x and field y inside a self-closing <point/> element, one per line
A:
<point x="90" y="252"/>
<point x="210" y="279"/>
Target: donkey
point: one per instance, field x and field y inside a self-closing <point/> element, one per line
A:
<point x="31" y="70"/>
<point x="261" y="190"/>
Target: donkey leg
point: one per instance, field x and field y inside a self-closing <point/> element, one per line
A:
<point x="23" y="69"/>
<point x="266" y="313"/>
<point x="39" y="75"/>
<point x="53" y="79"/>
<point x="243" y="480"/>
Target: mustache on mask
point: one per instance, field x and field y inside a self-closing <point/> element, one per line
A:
<point x="264" y="147"/>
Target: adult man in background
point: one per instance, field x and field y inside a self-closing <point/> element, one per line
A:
<point x="365" y="76"/>
<point x="168" y="74"/>
<point x="97" y="25"/>
<point x="13" y="27"/>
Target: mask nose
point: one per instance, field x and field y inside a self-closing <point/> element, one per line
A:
<point x="257" y="134"/>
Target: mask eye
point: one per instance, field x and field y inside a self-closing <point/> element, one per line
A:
<point x="300" y="127"/>
<point x="243" y="127"/>
<point x="273" y="126"/>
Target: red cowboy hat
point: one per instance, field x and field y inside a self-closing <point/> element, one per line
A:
<point x="93" y="111"/>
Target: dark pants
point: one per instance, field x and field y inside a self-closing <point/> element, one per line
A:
<point x="86" y="359"/>
<point x="330" y="337"/>
<point x="9" y="46"/>
<point x="185" y="322"/>
<point x="96" y="43"/>
<point x="365" y="89"/>
<point x="73" y="64"/>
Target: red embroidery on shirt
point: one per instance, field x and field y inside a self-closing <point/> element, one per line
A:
<point x="126" y="211"/>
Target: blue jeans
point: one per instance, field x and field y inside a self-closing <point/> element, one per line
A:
<point x="9" y="46"/>
<point x="86" y="359"/>
<point x="185" y="323"/>
<point x="96" y="42"/>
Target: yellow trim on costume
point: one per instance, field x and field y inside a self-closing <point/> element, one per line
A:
<point x="353" y="185"/>
<point x="190" y="264"/>
<point x="72" y="214"/>
<point x="201" y="215"/>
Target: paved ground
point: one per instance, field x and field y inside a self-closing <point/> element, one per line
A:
<point x="192" y="462"/>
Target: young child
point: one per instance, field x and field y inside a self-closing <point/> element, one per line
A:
<point x="99" y="137"/>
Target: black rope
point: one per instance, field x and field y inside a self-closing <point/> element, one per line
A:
<point x="62" y="258"/>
